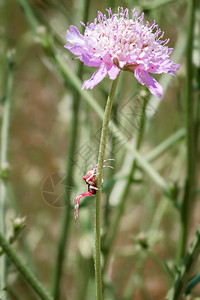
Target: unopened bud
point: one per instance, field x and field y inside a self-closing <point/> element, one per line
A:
<point x="18" y="224"/>
<point x="143" y="93"/>
<point x="142" y="240"/>
<point x="5" y="171"/>
<point x="42" y="36"/>
<point x="11" y="54"/>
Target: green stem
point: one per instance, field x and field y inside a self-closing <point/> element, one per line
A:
<point x="120" y="209"/>
<point x="182" y="278"/>
<point x="189" y="123"/>
<point x="24" y="270"/>
<point x="192" y="284"/>
<point x="99" y="186"/>
<point x="4" y="171"/>
<point x="66" y="216"/>
<point x="66" y="213"/>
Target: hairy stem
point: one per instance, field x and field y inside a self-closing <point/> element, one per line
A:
<point x="102" y="149"/>
<point x="120" y="209"/>
<point x="189" y="124"/>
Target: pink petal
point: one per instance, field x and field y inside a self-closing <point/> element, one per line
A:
<point x="137" y="76"/>
<point x="90" y="60"/>
<point x="77" y="50"/>
<point x="74" y="37"/>
<point x="96" y="78"/>
<point x="154" y="87"/>
<point x="113" y="72"/>
<point x="107" y="58"/>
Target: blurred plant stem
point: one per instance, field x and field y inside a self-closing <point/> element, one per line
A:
<point x="84" y="271"/>
<point x="120" y="208"/>
<point x="182" y="278"/>
<point x="14" y="203"/>
<point x="189" y="124"/>
<point x="102" y="149"/>
<point x="73" y="138"/>
<point x="4" y="17"/>
<point x="18" y="225"/>
<point x="4" y="166"/>
<point x="151" y="156"/>
<point x="23" y="269"/>
<point x="165" y="145"/>
<point x="14" y="294"/>
<point x="136" y="281"/>
<point x="66" y="213"/>
<point x="71" y="80"/>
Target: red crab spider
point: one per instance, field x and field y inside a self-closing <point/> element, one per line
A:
<point x="90" y="179"/>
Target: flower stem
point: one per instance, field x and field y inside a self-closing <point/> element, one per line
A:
<point x="115" y="224"/>
<point x="189" y="121"/>
<point x="102" y="149"/>
<point x="4" y="170"/>
<point x="28" y="275"/>
<point x="183" y="275"/>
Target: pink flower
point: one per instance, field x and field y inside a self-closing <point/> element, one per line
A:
<point x="122" y="43"/>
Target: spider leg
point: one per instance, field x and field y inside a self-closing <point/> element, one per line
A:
<point x="94" y="188"/>
<point x="76" y="205"/>
<point x="109" y="159"/>
<point x="108" y="167"/>
<point x="105" y="160"/>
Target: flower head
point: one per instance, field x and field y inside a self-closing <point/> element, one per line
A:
<point x="118" y="42"/>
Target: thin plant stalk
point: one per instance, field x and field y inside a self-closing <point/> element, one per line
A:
<point x="23" y="269"/>
<point x="69" y="182"/>
<point x="115" y="224"/>
<point x="165" y="145"/>
<point x="12" y="201"/>
<point x="189" y="124"/>
<point x="4" y="173"/>
<point x="102" y="148"/>
<point x="66" y="216"/>
<point x="182" y="278"/>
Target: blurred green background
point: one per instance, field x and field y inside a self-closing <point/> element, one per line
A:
<point x="41" y="119"/>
